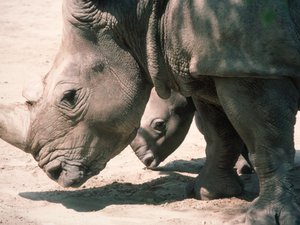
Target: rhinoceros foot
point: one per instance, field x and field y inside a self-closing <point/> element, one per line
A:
<point x="219" y="184"/>
<point x="266" y="212"/>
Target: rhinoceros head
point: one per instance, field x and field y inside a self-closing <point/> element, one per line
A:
<point x="91" y="101"/>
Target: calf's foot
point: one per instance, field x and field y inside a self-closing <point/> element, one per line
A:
<point x="219" y="184"/>
<point x="217" y="179"/>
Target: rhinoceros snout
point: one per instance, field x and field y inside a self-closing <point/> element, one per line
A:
<point x="150" y="161"/>
<point x="145" y="154"/>
<point x="66" y="175"/>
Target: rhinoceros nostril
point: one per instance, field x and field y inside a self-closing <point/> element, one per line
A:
<point x="148" y="159"/>
<point x="54" y="172"/>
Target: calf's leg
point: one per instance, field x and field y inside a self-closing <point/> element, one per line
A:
<point x="218" y="178"/>
<point x="263" y="112"/>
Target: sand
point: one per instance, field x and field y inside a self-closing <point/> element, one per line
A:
<point x="124" y="192"/>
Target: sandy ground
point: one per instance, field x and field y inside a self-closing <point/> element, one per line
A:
<point x="123" y="193"/>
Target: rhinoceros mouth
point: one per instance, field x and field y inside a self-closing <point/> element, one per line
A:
<point x="147" y="156"/>
<point x="66" y="171"/>
<point x="67" y="175"/>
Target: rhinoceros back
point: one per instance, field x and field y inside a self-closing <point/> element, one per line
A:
<point x="237" y="38"/>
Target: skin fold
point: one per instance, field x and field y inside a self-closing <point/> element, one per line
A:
<point x="238" y="60"/>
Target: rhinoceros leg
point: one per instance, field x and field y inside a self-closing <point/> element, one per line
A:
<point x="218" y="178"/>
<point x="264" y="113"/>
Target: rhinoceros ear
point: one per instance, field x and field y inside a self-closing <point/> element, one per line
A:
<point x="83" y="11"/>
<point x="33" y="89"/>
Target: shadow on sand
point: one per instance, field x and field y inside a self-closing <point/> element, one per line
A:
<point x="166" y="189"/>
<point x="169" y="188"/>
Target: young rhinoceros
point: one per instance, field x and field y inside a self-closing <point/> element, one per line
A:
<point x="239" y="60"/>
<point x="164" y="126"/>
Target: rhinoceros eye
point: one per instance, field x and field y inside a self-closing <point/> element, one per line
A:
<point x="159" y="125"/>
<point x="69" y="98"/>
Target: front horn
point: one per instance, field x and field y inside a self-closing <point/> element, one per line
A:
<point x="14" y="124"/>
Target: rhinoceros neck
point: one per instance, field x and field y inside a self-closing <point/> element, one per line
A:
<point x="128" y="20"/>
<point x="156" y="65"/>
<point x="176" y="62"/>
<point x="165" y="64"/>
<point x="137" y="27"/>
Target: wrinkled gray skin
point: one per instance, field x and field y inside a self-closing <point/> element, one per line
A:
<point x="239" y="60"/>
<point x="164" y="125"/>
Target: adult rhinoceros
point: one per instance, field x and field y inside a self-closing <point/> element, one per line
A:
<point x="238" y="59"/>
